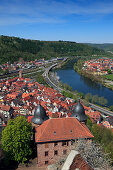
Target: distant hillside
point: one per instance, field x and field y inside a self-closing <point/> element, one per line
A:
<point x="12" y="48"/>
<point x="106" y="47"/>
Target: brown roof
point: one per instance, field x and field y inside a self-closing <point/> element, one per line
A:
<point x="80" y="163"/>
<point x="61" y="129"/>
<point x="4" y="107"/>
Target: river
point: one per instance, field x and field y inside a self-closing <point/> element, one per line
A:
<point x="83" y="84"/>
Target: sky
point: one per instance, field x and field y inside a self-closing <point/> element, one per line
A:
<point x="86" y="21"/>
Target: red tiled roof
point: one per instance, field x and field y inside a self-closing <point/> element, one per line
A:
<point x="61" y="129"/>
<point x="4" y="107"/>
<point x="29" y="118"/>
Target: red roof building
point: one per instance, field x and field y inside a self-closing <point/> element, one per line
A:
<point x="54" y="138"/>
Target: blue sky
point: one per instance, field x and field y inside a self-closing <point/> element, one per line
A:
<point x="71" y="20"/>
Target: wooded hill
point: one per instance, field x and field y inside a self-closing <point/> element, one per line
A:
<point x="106" y="46"/>
<point x="12" y="48"/>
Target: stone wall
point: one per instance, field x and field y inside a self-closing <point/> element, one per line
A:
<point x="49" y="153"/>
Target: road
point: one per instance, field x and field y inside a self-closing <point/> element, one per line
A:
<point x="106" y="112"/>
<point x="47" y="79"/>
<point x="49" y="82"/>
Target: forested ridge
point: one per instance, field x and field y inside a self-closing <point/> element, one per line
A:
<point x="105" y="46"/>
<point x="12" y="48"/>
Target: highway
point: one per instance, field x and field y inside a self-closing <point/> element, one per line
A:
<point x="47" y="79"/>
<point x="104" y="111"/>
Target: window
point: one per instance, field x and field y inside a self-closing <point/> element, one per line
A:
<point x="46" y="153"/>
<point x="56" y="143"/>
<point x="72" y="142"/>
<point x="64" y="143"/>
<point x="64" y="152"/>
<point x="54" y="132"/>
<point x="55" y="152"/>
<point x="46" y="145"/>
<point x="46" y="162"/>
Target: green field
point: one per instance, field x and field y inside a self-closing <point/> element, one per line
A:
<point x="109" y="77"/>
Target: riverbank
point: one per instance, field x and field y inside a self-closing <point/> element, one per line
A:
<point x="93" y="77"/>
<point x="67" y="92"/>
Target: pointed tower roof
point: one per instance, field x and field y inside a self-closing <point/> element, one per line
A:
<point x="79" y="112"/>
<point x="39" y="115"/>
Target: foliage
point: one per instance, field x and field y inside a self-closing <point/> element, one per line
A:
<point x="67" y="94"/>
<point x="104" y="137"/>
<point x="93" y="154"/>
<point x="95" y="99"/>
<point x="67" y="87"/>
<point x="102" y="101"/>
<point x="16" y="139"/>
<point x="40" y="79"/>
<point x="109" y="71"/>
<point x="88" y="97"/>
<point x="13" y="48"/>
<point x="111" y="107"/>
<point x="37" y="76"/>
<point x="78" y="65"/>
<point x="90" y="151"/>
<point x="106" y="47"/>
<point x="109" y="77"/>
<point x="81" y="95"/>
<point x="89" y="123"/>
<point x="1" y="71"/>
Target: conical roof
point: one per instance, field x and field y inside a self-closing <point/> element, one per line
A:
<point x="79" y="112"/>
<point x="37" y="120"/>
<point x="39" y="115"/>
<point x="40" y="111"/>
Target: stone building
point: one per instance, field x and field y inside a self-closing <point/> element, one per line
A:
<point x="54" y="137"/>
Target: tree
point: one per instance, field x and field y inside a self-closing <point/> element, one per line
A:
<point x="104" y="137"/>
<point x="67" y="94"/>
<point x="1" y="71"/>
<point x="109" y="71"/>
<point x="111" y="107"/>
<point x="16" y="139"/>
<point x="81" y="95"/>
<point x="88" y="97"/>
<point x="97" y="132"/>
<point x="102" y="101"/>
<point x="67" y="87"/>
<point x="89" y="123"/>
<point x="95" y="99"/>
<point x="93" y="154"/>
